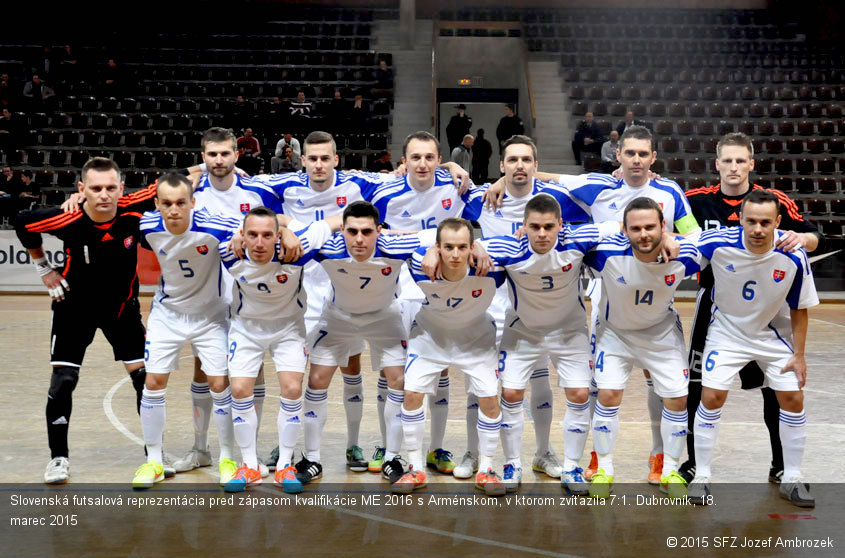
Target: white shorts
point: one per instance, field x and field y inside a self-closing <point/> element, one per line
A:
<point x="339" y="335"/>
<point x="318" y="289"/>
<point x="499" y="309"/>
<point x="724" y="357"/>
<point x="524" y="350"/>
<point x="249" y="340"/>
<point x="594" y="292"/>
<point x="659" y="349"/>
<point x="168" y="331"/>
<point x="471" y="350"/>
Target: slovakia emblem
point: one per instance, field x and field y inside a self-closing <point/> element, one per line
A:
<point x="202" y="249"/>
<point x="386" y="271"/>
<point x="128" y="242"/>
<point x="476" y="293"/>
<point x="244" y="208"/>
<point x="341" y="201"/>
<point x="404" y="344"/>
<point x="778" y="275"/>
<point x="447" y="203"/>
<point x="283" y="278"/>
<point x="670" y="279"/>
<point x="686" y="373"/>
<point x="567" y="267"/>
<point x="661" y="205"/>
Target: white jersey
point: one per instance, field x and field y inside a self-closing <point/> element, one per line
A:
<point x="637" y="295"/>
<point x="274" y="290"/>
<point x="307" y="205"/>
<point x="368" y="286"/>
<point x="545" y="289"/>
<point x="243" y="195"/>
<point x="749" y="289"/>
<point x="607" y="198"/>
<point x="191" y="279"/>
<point x="454" y="305"/>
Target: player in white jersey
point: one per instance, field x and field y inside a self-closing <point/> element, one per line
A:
<point x="752" y="279"/>
<point x="547" y="323"/>
<point x="363" y="266"/>
<point x="188" y="308"/>
<point x="638" y="326"/>
<point x="268" y="315"/>
<point x="452" y="328"/>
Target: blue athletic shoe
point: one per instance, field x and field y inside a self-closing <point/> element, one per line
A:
<point x="512" y="477"/>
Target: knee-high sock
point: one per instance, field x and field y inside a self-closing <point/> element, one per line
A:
<point x="202" y="403"/>
<point x="488" y="438"/>
<point x="793" y="435"/>
<point x="392" y="422"/>
<point x="594" y="395"/>
<point x="413" y="430"/>
<point x="706" y="430"/>
<point x="223" y="421"/>
<point x="605" y="432"/>
<point x="472" y="426"/>
<point x="576" y="427"/>
<point x="258" y="394"/>
<point x="655" y="410"/>
<point x="438" y="408"/>
<point x="542" y="407"/>
<point x="673" y="428"/>
<point x="316" y="412"/>
<point x="513" y="424"/>
<point x="245" y="424"/>
<point x="771" y="416"/>
<point x="153" y="417"/>
<point x="289" y="423"/>
<point x="381" y="399"/>
<point x="353" y="404"/>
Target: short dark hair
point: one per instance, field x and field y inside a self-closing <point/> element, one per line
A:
<point x="455" y="224"/>
<point x="421" y="135"/>
<point x="520" y="140"/>
<point x="760" y="196"/>
<point x="175" y="179"/>
<point x="27" y="173"/>
<point x="219" y="135"/>
<point x="262" y="211"/>
<point x="735" y="138"/>
<point x="361" y="209"/>
<point x="636" y="132"/>
<point x="99" y="164"/>
<point x="642" y="203"/>
<point x="542" y="203"/>
<point x="318" y="137"/>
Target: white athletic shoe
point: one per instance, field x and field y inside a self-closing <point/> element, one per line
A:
<point x="193" y="459"/>
<point x="467" y="467"/>
<point x="58" y="471"/>
<point x="548" y="463"/>
<point x="262" y="468"/>
<point x="699" y="490"/>
<point x="167" y="463"/>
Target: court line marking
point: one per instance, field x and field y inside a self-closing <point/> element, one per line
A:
<point x="107" y="407"/>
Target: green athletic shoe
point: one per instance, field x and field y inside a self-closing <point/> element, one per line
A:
<point x="674" y="485"/>
<point x="441" y="460"/>
<point x="355" y="460"/>
<point x="374" y="466"/>
<point x="227" y="470"/>
<point x="148" y="474"/>
<point x="601" y="484"/>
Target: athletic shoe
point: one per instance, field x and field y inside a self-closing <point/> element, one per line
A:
<point x="169" y="469"/>
<point x="308" y="471"/>
<point x="409" y="482"/>
<point x="776" y="475"/>
<point x="273" y="459"/>
<point x="441" y="460"/>
<point x="574" y="482"/>
<point x="148" y="474"/>
<point x="355" y="459"/>
<point x="655" y="468"/>
<point x="227" y="469"/>
<point x="193" y="459"/>
<point x="512" y="477"/>
<point x="674" y="485"/>
<point x="699" y="490"/>
<point x="490" y="483"/>
<point x="374" y="466"/>
<point x="287" y="481"/>
<point x="687" y="471"/>
<point x="548" y="463"/>
<point x="263" y="469"/>
<point x="243" y="477"/>
<point x="601" y="485"/>
<point x="58" y="471"/>
<point x="798" y="492"/>
<point x="392" y="470"/>
<point x="467" y="466"/>
<point x="592" y="467"/>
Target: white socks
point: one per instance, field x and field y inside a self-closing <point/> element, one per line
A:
<point x="438" y="408"/>
<point x="353" y="404"/>
<point x="245" y="425"/>
<point x="472" y="419"/>
<point x="153" y="417"/>
<point x="488" y="439"/>
<point x="655" y="408"/>
<point x="258" y="394"/>
<point x="392" y="422"/>
<point x="605" y="432"/>
<point x="413" y="430"/>
<point x="223" y="421"/>
<point x="673" y="429"/>
<point x="705" y="429"/>
<point x="513" y="424"/>
<point x="316" y="411"/>
<point x="542" y="407"/>
<point x="201" y="400"/>
<point x="289" y="423"/>
<point x="793" y="435"/>
<point x="576" y="427"/>
<point x="381" y="400"/>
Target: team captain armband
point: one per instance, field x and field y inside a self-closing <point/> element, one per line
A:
<point x="686" y="224"/>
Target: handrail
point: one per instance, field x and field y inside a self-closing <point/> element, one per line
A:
<point x="434" y="29"/>
<point x="528" y="77"/>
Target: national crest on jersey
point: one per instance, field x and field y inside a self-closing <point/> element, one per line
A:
<point x="476" y="293"/>
<point x="202" y="249"/>
<point x="128" y="242"/>
<point x="245" y="208"/>
<point x="386" y="271"/>
<point x="447" y="203"/>
<point x="670" y="279"/>
<point x="567" y="267"/>
<point x="778" y="275"/>
<point x="282" y="278"/>
<point x="341" y="201"/>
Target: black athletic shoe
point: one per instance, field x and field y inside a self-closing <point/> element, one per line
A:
<point x="392" y="470"/>
<point x="687" y="471"/>
<point x="307" y="471"/>
<point x="776" y="475"/>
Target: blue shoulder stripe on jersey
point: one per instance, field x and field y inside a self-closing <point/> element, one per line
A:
<point x="677" y="193"/>
<point x="793" y="297"/>
<point x="334" y="248"/>
<point x="598" y="257"/>
<point x="366" y="182"/>
<point x="595" y="185"/>
<point x="727" y="237"/>
<point x="570" y="211"/>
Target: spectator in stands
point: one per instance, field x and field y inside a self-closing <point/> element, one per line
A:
<point x="249" y="152"/>
<point x="384" y="81"/>
<point x="110" y="79"/>
<point x="300" y="107"/>
<point x="510" y="125"/>
<point x="481" y="153"/>
<point x="241" y="115"/>
<point x="17" y="193"/>
<point x="629" y="121"/>
<point x="42" y="64"/>
<point x="609" y="162"/>
<point x="276" y="117"/>
<point x="36" y="92"/>
<point x="68" y="66"/>
<point x="459" y="126"/>
<point x="462" y="154"/>
<point x="588" y="137"/>
<point x="337" y="111"/>
<point x="10" y="130"/>
<point x="287" y="141"/>
<point x="288" y="162"/>
<point x="382" y="163"/>
<point x="5" y="90"/>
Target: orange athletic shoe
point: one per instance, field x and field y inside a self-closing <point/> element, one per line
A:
<point x="490" y="483"/>
<point x="409" y="482"/>
<point x="592" y="467"/>
<point x="243" y="477"/>
<point x="287" y="481"/>
<point x="655" y="468"/>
